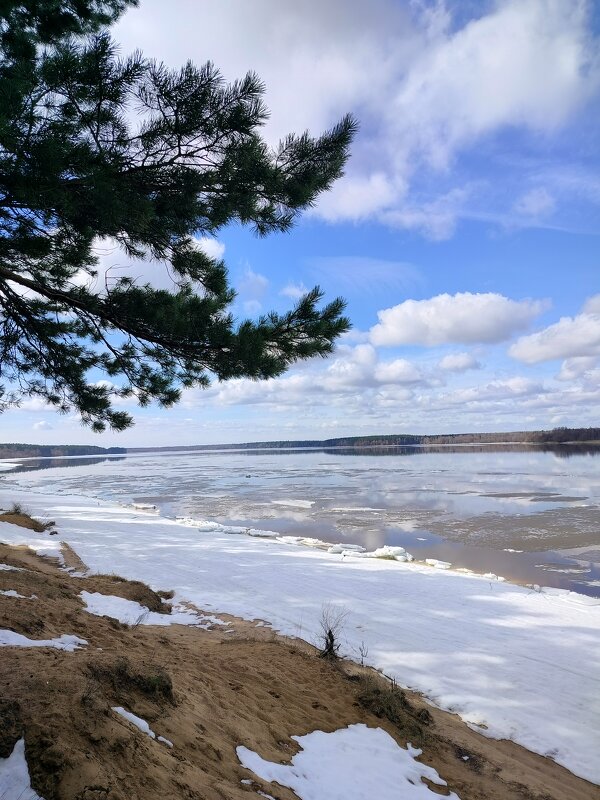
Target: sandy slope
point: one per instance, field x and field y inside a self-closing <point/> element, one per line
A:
<point x="207" y="691"/>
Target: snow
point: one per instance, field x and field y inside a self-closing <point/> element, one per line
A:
<point x="15" y="783"/>
<point x="8" y="568"/>
<point x="64" y="642"/>
<point x="12" y="593"/>
<point x="131" y="613"/>
<point x="141" y="724"/>
<point x="522" y="662"/>
<point x="354" y="763"/>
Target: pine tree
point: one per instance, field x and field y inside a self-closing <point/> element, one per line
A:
<point x="95" y="146"/>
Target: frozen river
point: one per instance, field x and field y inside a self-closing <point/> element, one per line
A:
<point x="529" y="515"/>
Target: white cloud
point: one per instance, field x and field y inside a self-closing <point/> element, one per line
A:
<point x="509" y="388"/>
<point x="461" y="318"/>
<point x="445" y="82"/>
<point x="570" y="337"/>
<point x="212" y="247"/>
<point x="252" y="288"/>
<point x="294" y="290"/>
<point x="458" y="362"/>
<point x="253" y="283"/>
<point x="42" y="425"/>
<point x="592" y="305"/>
<point x="573" y="368"/>
<point x="437" y="218"/>
<point x="524" y="64"/>
<point x="398" y="371"/>
<point x="252" y="306"/>
<point x="358" y="197"/>
<point x="35" y="404"/>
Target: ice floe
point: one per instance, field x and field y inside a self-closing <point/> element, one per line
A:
<point x="346" y="548"/>
<point x="437" y="564"/>
<point x="353" y="763"/>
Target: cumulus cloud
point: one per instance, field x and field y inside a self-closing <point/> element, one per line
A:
<point x="573" y="368"/>
<point x="570" y="337"/>
<point x="592" y="305"/>
<point x="398" y="371"/>
<point x="355" y="372"/>
<point x="464" y="318"/>
<point x="458" y="362"/>
<point x="42" y="425"/>
<point x="211" y="246"/>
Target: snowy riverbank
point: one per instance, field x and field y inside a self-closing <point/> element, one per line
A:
<point x="517" y="663"/>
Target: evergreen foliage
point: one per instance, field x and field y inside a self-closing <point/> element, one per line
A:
<point x="95" y="146"/>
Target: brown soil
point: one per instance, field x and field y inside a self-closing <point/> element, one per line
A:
<point x="208" y="691"/>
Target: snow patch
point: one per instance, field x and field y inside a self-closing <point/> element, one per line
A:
<point x="64" y="642"/>
<point x="131" y="613"/>
<point x="15" y="783"/>
<point x="12" y="593"/>
<point x="141" y="724"/>
<point x="353" y="763"/>
<point x="8" y="568"/>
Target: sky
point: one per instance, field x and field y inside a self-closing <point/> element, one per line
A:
<point x="464" y="236"/>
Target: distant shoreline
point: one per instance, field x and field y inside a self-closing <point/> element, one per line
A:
<point x="556" y="436"/>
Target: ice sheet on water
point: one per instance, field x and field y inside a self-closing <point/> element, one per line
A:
<point x="353" y="763"/>
<point x="294" y="503"/>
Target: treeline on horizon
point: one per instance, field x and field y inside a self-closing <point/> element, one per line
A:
<point x="554" y="436"/>
<point x="19" y="450"/>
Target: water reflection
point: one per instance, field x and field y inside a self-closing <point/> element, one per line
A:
<point x="35" y="464"/>
<point x="517" y="510"/>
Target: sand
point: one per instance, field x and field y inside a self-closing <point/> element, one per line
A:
<point x="207" y="691"/>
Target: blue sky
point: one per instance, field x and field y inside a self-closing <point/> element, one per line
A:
<point x="465" y="235"/>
